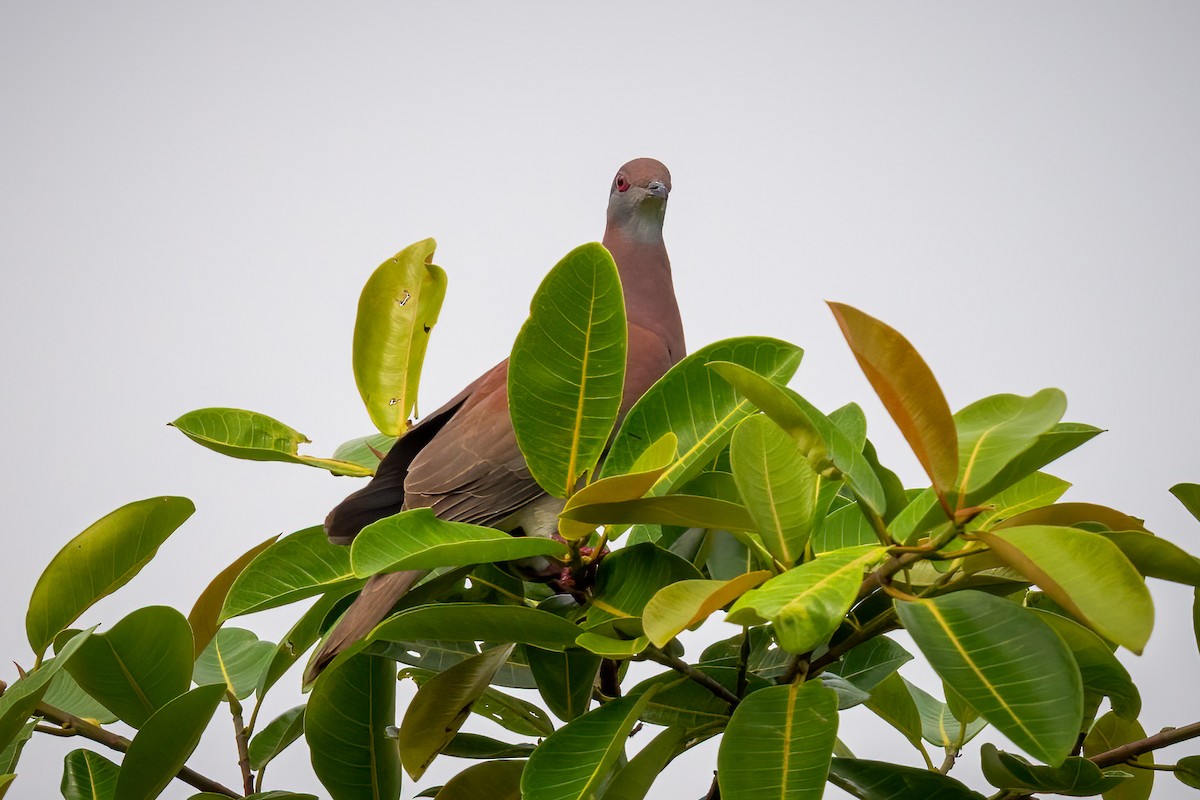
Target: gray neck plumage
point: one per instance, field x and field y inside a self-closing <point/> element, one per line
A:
<point x="636" y="243"/>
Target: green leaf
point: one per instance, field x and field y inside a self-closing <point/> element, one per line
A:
<point x="682" y="604"/>
<point x="1187" y="770"/>
<point x="846" y="527"/>
<point x="165" y="742"/>
<point x="1085" y="574"/>
<point x="11" y="753"/>
<point x="495" y="780"/>
<point x="5" y="783"/>
<point x="1103" y="675"/>
<point x="877" y="780"/>
<point x="676" y="509"/>
<point x="650" y="466"/>
<point x="88" y="776"/>
<point x="365" y="451"/>
<point x="275" y="737"/>
<point x="442" y="705"/>
<point x="574" y="760"/>
<point x="1085" y="515"/>
<point x="894" y="704"/>
<point x="628" y="578"/>
<point x="777" y="484"/>
<point x="99" y="561"/>
<point x="1075" y="777"/>
<point x="994" y="431"/>
<point x="512" y="713"/>
<point x="779" y="743"/>
<point x="139" y="666"/>
<point x="939" y="726"/>
<point x="301" y="637"/>
<point x="564" y="680"/>
<point x="252" y="436"/>
<point x="67" y="695"/>
<point x="700" y="408"/>
<point x="434" y="656"/>
<point x="682" y="703"/>
<point x="20" y="699"/>
<point x="417" y="539"/>
<point x="1032" y="491"/>
<point x="567" y="369"/>
<point x="814" y="433"/>
<point x="473" y="745"/>
<point x="235" y="658"/>
<point x="345" y="725"/>
<point x="204" y="618"/>
<point x="300" y="565"/>
<point x="808" y="602"/>
<point x="1111" y="732"/>
<point x="1005" y="662"/>
<point x="1156" y="558"/>
<point x="634" y="780"/>
<point x="908" y="390"/>
<point x="1189" y="495"/>
<point x="868" y="664"/>
<point x="397" y="309"/>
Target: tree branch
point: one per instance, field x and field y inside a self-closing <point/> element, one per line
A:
<point x="72" y="724"/>
<point x="243" y="744"/>
<point x="688" y="671"/>
<point x="1165" y="737"/>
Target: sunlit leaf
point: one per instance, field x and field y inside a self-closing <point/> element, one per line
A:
<point x="682" y="604"/>
<point x="567" y="369"/>
<point x="252" y="436"/>
<point x="993" y="431"/>
<point x="846" y="527"/>
<point x="1085" y="574"/>
<point x="99" y="561"/>
<point x="777" y="485"/>
<point x="1032" y="491"/>
<point x="1005" y="662"/>
<point x="165" y="743"/>
<point x="908" y="390"/>
<point x="204" y="618"/>
<point x="618" y="488"/>
<point x="138" y="666"/>
<point x="442" y="705"/>
<point x="779" y="743"/>
<point x="345" y="725"/>
<point x="299" y="565"/>
<point x="697" y="406"/>
<point x="397" y="309"/>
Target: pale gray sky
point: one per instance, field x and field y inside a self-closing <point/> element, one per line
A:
<point x="192" y="196"/>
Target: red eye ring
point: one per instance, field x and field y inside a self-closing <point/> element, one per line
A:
<point x="622" y="184"/>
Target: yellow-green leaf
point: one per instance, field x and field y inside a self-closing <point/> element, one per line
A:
<point x="648" y="468"/>
<point x="681" y="605"/>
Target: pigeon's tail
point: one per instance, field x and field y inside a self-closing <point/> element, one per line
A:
<point x="369" y="608"/>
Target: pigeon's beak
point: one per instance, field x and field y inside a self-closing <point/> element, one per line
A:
<point x="657" y="189"/>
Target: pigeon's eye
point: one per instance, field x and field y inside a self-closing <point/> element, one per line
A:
<point x="622" y="184"/>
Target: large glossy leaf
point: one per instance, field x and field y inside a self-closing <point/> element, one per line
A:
<point x="99" y="561"/>
<point x="495" y="780"/>
<point x="21" y="698"/>
<point x="1111" y="732"/>
<point x="1155" y="557"/>
<point x="567" y="369"/>
<point x="908" y="390"/>
<point x="565" y="680"/>
<point x="442" y="705"/>
<point x="635" y="778"/>
<point x="845" y="527"/>
<point x="878" y="780"/>
<point x="778" y="744"/>
<point x="574" y="760"/>
<point x="628" y="578"/>
<point x="649" y="467"/>
<point x="868" y="664"/>
<point x="994" y="431"/>
<point x="512" y="713"/>
<point x="682" y="604"/>
<point x="165" y="743"/>
<point x="777" y="484"/>
<point x="1075" y="777"/>
<point x="252" y="436"/>
<point x="205" y="615"/>
<point x="1085" y="574"/>
<point x="1005" y="662"/>
<point x="417" y="539"/>
<point x="346" y="724"/>
<point x="67" y="695"/>
<point x="1103" y="675"/>
<point x="139" y="666"/>
<point x="1189" y="495"/>
<point x="275" y="737"/>
<point x="397" y="309"/>
<point x="697" y="406"/>
<point x="88" y="776"/>
<point x="814" y="433"/>
<point x="299" y="565"/>
<point x="808" y="602"/>
<point x="236" y="658"/>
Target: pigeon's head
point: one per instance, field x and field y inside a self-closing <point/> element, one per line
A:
<point x="637" y="200"/>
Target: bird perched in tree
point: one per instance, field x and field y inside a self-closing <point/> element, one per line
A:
<point x="462" y="461"/>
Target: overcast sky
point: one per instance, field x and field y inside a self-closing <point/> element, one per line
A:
<point x="191" y="198"/>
